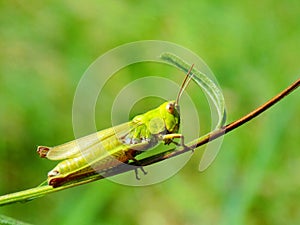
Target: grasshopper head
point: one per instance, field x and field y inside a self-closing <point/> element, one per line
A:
<point x="166" y="118"/>
<point x="171" y="116"/>
<point x="172" y="111"/>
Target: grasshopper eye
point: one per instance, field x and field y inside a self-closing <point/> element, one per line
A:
<point x="170" y="108"/>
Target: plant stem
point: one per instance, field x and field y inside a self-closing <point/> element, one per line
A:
<point x="225" y="129"/>
<point x="30" y="194"/>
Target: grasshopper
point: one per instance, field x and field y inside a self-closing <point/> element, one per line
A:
<point x="110" y="147"/>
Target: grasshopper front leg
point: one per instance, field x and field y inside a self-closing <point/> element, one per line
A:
<point x="168" y="138"/>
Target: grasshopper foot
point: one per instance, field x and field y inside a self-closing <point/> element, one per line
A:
<point x="183" y="146"/>
<point x="137" y="173"/>
<point x="188" y="148"/>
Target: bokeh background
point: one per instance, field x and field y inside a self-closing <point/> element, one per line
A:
<point x="253" y="50"/>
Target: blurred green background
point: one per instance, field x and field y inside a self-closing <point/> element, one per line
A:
<point x="253" y="50"/>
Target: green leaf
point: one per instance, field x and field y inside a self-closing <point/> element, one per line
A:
<point x="205" y="82"/>
<point x="215" y="96"/>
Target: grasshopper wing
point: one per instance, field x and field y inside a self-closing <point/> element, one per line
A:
<point x="79" y="146"/>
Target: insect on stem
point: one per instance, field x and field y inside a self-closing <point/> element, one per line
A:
<point x="185" y="83"/>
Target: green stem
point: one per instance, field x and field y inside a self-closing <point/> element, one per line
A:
<point x="30" y="194"/>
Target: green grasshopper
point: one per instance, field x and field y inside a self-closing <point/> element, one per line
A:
<point x="109" y="148"/>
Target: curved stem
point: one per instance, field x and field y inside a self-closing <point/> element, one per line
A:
<point x="39" y="191"/>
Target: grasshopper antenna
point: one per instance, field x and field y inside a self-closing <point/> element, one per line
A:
<point x="186" y="81"/>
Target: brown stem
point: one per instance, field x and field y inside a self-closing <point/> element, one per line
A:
<point x="227" y="128"/>
<point x="263" y="107"/>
